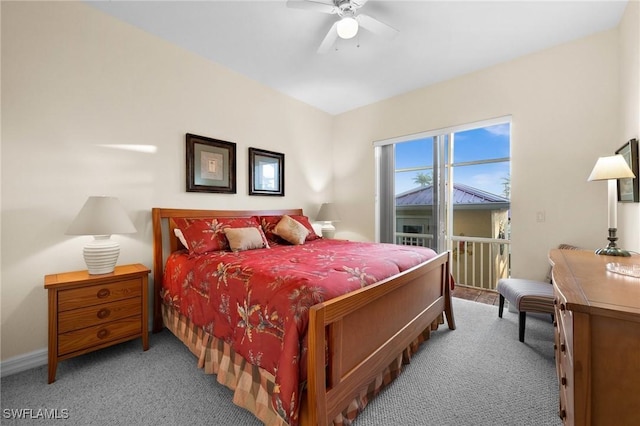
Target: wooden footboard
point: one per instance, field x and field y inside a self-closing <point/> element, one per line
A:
<point x="366" y="329"/>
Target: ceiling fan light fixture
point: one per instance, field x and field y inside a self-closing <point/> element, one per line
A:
<point x="347" y="27"/>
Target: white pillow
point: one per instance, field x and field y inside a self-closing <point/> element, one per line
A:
<point x="178" y="233"/>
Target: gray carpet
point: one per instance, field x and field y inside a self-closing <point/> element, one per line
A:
<point x="479" y="374"/>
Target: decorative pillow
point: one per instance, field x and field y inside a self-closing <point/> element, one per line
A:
<point x="291" y="230"/>
<point x="202" y="235"/>
<point x="305" y="222"/>
<point x="268" y="223"/>
<point x="205" y="235"/>
<point x="244" y="238"/>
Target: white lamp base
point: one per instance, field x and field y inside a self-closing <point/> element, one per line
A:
<point x="101" y="255"/>
<point x="328" y="230"/>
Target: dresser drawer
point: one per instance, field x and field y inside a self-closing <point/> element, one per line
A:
<point x="565" y="412"/>
<point x="97" y="294"/>
<point x="98" y="314"/>
<point x="565" y="384"/>
<point x="564" y="320"/>
<point x="97" y="335"/>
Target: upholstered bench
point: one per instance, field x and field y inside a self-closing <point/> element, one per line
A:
<point x="525" y="296"/>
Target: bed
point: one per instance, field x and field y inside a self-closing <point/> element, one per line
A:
<point x="342" y="347"/>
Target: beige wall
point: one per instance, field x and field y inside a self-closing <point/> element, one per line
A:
<point x="74" y="79"/>
<point x="565" y="107"/>
<point x="629" y="213"/>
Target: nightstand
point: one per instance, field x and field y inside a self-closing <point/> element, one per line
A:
<point x="91" y="312"/>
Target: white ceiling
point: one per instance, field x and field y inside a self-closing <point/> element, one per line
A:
<point x="276" y="45"/>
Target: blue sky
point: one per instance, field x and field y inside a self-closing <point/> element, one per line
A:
<point x="471" y="145"/>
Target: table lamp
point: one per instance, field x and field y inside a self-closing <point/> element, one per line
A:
<point x="610" y="169"/>
<point x="328" y="214"/>
<point x="101" y="216"/>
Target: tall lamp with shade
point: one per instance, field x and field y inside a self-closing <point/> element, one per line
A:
<point x="610" y="169"/>
<point x="101" y="217"/>
<point x="327" y="215"/>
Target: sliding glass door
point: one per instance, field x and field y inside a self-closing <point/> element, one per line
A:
<point x="449" y="190"/>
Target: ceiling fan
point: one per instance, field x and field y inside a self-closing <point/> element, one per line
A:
<point x="348" y="24"/>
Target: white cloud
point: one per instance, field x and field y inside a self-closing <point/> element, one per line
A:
<point x="499" y="129"/>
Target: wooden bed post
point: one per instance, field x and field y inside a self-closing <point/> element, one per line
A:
<point x="316" y="373"/>
<point x="158" y="266"/>
<point x="448" y="309"/>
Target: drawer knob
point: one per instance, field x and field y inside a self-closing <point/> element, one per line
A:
<point x="562" y="307"/>
<point x="562" y="414"/>
<point x="563" y="347"/>
<point x="102" y="333"/>
<point x="104" y="313"/>
<point x="563" y="381"/>
<point x="103" y="292"/>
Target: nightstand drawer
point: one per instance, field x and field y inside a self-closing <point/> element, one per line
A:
<point x="98" y="314"/>
<point x="96" y="294"/>
<point x="99" y="334"/>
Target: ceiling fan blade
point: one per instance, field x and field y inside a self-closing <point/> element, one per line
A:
<point x="375" y="26"/>
<point x="312" y="5"/>
<point x="358" y="3"/>
<point x="329" y="39"/>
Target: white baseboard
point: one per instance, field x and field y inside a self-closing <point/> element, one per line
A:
<point x="23" y="362"/>
<point x="34" y="359"/>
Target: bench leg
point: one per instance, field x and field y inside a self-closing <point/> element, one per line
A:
<point x="522" y="319"/>
<point x="501" y="306"/>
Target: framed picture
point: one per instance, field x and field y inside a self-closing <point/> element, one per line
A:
<point x="266" y="172"/>
<point x="628" y="189"/>
<point x="211" y="165"/>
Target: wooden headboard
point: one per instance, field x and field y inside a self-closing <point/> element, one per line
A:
<point x="163" y="226"/>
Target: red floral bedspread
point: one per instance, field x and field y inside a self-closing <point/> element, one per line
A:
<point x="258" y="300"/>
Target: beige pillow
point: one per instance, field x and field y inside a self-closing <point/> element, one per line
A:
<point x="244" y="238"/>
<point x="291" y="230"/>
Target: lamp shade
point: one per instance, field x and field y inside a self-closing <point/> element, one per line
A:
<point x="328" y="213"/>
<point x="613" y="167"/>
<point x="101" y="216"/>
<point x="610" y="169"/>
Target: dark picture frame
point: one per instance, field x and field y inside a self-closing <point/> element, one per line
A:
<point x="266" y="172"/>
<point x="211" y="165"/>
<point x="629" y="188"/>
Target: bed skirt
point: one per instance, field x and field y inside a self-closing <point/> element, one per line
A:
<point x="253" y="386"/>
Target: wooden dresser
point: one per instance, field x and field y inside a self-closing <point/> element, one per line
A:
<point x="597" y="339"/>
<point x="91" y="312"/>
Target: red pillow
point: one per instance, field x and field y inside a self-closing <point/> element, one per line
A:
<point x="205" y="235"/>
<point x="270" y="222"/>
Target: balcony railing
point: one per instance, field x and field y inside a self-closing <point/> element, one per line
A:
<point x="476" y="262"/>
<point x="408" y="239"/>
